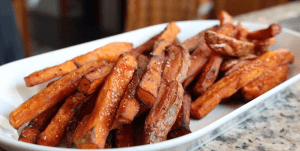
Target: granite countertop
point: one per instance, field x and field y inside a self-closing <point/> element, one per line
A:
<point x="276" y="128"/>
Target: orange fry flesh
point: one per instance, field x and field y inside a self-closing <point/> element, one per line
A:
<point x="229" y="84"/>
<point x="99" y="124"/>
<point x="110" y="52"/>
<point x="51" y="95"/>
<point x="55" y="131"/>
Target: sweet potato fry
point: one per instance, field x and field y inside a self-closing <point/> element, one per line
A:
<point x="147" y="46"/>
<point x="94" y="80"/>
<point x="56" y="129"/>
<point x="129" y="105"/>
<point x="209" y="74"/>
<point x="99" y="124"/>
<point x="242" y="32"/>
<point x="80" y="112"/>
<point x="149" y="85"/>
<point x="182" y="124"/>
<point x="228" y="46"/>
<point x="225" y="18"/>
<point x="231" y="83"/>
<point x="163" y="113"/>
<point x="198" y="59"/>
<point x="192" y="43"/>
<point x="124" y="136"/>
<point x="110" y="52"/>
<point x="265" y="82"/>
<point x="227" y="30"/>
<point x="177" y="63"/>
<point x="37" y="125"/>
<point x="51" y="95"/>
<point x="227" y="65"/>
<point x="273" y="30"/>
<point x="262" y="46"/>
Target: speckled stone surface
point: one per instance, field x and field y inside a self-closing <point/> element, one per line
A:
<point x="276" y="128"/>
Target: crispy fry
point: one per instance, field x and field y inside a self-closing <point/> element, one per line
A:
<point x="51" y="95"/>
<point x="182" y="124"/>
<point x="32" y="130"/>
<point x="94" y="80"/>
<point x="227" y="65"/>
<point x="228" y="46"/>
<point x="242" y="32"/>
<point x="56" y="129"/>
<point x="265" y="82"/>
<point x="147" y="46"/>
<point x="273" y="30"/>
<point x="209" y="74"/>
<point x="192" y="43"/>
<point x="177" y="63"/>
<point x="198" y="59"/>
<point x="149" y="85"/>
<point x="129" y="105"/>
<point x="109" y="52"/>
<point x="262" y="46"/>
<point x="225" y="18"/>
<point x="80" y="112"/>
<point x="229" y="84"/>
<point x="99" y="124"/>
<point x="124" y="136"/>
<point x="163" y="113"/>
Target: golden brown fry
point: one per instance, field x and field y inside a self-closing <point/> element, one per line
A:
<point x="265" y="82"/>
<point x="231" y="83"/>
<point x="37" y="125"/>
<point x="198" y="59"/>
<point x="209" y="74"/>
<point x="163" y="113"/>
<point x="51" y="95"/>
<point x="192" y="43"/>
<point x="228" y="46"/>
<point x="129" y="105"/>
<point x="182" y="124"/>
<point x="124" y="136"/>
<point x="99" y="124"/>
<point x="225" y="18"/>
<point x="149" y="85"/>
<point x="56" y="129"/>
<point x="94" y="80"/>
<point x="110" y="52"/>
<point x="273" y="30"/>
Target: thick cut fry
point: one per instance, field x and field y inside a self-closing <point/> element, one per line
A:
<point x="110" y="52"/>
<point x="225" y="18"/>
<point x="56" y="129"/>
<point x="228" y="46"/>
<point x="227" y="65"/>
<point x="129" y="105"/>
<point x="80" y="112"/>
<point x="182" y="124"/>
<point x="231" y="83"/>
<point x="51" y="95"/>
<point x="177" y="63"/>
<point x="149" y="85"/>
<point x="192" y="43"/>
<point x="265" y="82"/>
<point x="262" y="46"/>
<point x="147" y="46"/>
<point x="198" y="59"/>
<point x="227" y="30"/>
<point x="273" y="30"/>
<point x="99" y="124"/>
<point x="163" y="113"/>
<point x="37" y="125"/>
<point x="124" y="136"/>
<point x="94" y="80"/>
<point x="208" y="75"/>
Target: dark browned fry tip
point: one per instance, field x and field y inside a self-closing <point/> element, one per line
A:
<point x="275" y="29"/>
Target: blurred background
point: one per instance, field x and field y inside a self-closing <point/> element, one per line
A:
<point x="46" y="25"/>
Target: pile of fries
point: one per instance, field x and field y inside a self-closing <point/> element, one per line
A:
<point x="117" y="96"/>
